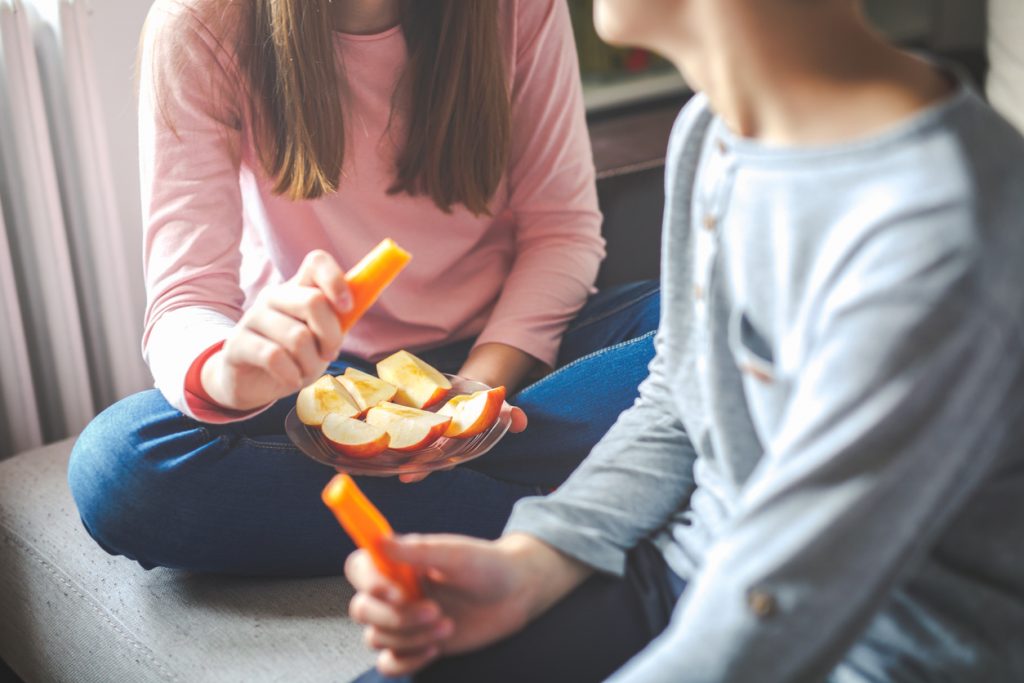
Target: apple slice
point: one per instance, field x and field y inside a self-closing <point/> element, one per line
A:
<point x="473" y="413"/>
<point x="354" y="438"/>
<point x="366" y="389"/>
<point x="419" y="385"/>
<point x="410" y="429"/>
<point x="323" y="397"/>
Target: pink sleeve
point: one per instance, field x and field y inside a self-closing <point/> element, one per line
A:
<point x="189" y="151"/>
<point x="552" y="188"/>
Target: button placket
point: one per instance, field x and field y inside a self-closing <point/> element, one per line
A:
<point x="717" y="187"/>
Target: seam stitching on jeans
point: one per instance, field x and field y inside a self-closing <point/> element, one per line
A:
<point x="595" y="354"/>
<point x="619" y="309"/>
<point x="119" y="628"/>
<point x="270" y="447"/>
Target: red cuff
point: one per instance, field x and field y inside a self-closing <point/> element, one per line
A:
<point x="195" y="395"/>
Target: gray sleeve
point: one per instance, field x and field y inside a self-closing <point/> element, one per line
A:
<point x="636" y="477"/>
<point x="908" y="394"/>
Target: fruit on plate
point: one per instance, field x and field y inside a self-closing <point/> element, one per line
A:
<point x="473" y="413"/>
<point x="368" y="278"/>
<point x="409" y="428"/>
<point x="354" y="438"/>
<point x="366" y="389"/>
<point x="419" y="385"/>
<point x="323" y="397"/>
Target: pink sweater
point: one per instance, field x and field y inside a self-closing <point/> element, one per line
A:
<point x="215" y="234"/>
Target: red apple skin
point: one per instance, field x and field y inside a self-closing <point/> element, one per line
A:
<point x="487" y="417"/>
<point x="432" y="435"/>
<point x="361" y="450"/>
<point x="436" y="397"/>
<point x="392" y="417"/>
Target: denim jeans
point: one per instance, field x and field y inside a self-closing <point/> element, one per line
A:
<point x="160" y="488"/>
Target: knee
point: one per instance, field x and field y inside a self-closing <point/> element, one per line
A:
<point x="113" y="473"/>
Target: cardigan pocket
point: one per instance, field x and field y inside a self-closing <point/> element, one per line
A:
<point x="765" y="387"/>
<point x="750" y="349"/>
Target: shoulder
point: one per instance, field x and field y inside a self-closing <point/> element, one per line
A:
<point x="935" y="216"/>
<point x="184" y="25"/>
<point x="527" y="21"/>
<point x="188" y="59"/>
<point x="686" y="142"/>
<point x="692" y="121"/>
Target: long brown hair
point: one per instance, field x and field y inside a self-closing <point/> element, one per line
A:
<point x="454" y="85"/>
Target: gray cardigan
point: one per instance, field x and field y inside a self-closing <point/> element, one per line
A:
<point x="829" y="446"/>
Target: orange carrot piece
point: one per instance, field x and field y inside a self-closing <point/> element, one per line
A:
<point x="370" y="276"/>
<point x="367" y="527"/>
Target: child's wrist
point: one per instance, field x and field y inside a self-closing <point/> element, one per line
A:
<point x="210" y="380"/>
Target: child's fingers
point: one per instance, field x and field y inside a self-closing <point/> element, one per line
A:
<point x="414" y="640"/>
<point x="364" y="576"/>
<point x="310" y="305"/>
<point x="319" y="269"/>
<point x="392" y="663"/>
<point x="293" y="336"/>
<point x="250" y="348"/>
<point x="519" y="420"/>
<point x="435" y="554"/>
<point x="394" y="619"/>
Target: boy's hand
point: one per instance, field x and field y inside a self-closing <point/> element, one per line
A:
<point x="285" y="341"/>
<point x="478" y="592"/>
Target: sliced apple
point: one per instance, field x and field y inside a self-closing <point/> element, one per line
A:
<point x="322" y="398"/>
<point x="354" y="438"/>
<point x="366" y="389"/>
<point x="419" y="385"/>
<point x="410" y="429"/>
<point x="473" y="413"/>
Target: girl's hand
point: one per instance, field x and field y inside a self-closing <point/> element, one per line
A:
<point x="285" y="341"/>
<point x="519" y="423"/>
<point x="478" y="592"/>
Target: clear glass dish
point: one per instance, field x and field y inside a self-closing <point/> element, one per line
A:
<point x="443" y="454"/>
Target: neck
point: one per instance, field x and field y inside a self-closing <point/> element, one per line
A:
<point x="797" y="73"/>
<point x="363" y="17"/>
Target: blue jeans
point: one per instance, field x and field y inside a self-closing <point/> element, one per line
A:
<point x="165" y="490"/>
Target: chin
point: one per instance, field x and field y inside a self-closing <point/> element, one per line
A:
<point x="611" y="21"/>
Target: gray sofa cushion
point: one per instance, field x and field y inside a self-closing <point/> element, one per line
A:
<point x="70" y="612"/>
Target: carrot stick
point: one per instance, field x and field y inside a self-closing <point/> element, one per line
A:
<point x="369" y="277"/>
<point x="367" y="526"/>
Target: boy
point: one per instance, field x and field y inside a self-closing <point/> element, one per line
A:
<point x="822" y="478"/>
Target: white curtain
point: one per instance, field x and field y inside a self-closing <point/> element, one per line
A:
<point x="69" y="287"/>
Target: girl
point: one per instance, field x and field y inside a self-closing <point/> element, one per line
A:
<point x="822" y="477"/>
<point x="281" y="140"/>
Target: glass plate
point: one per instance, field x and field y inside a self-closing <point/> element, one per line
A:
<point x="443" y="454"/>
